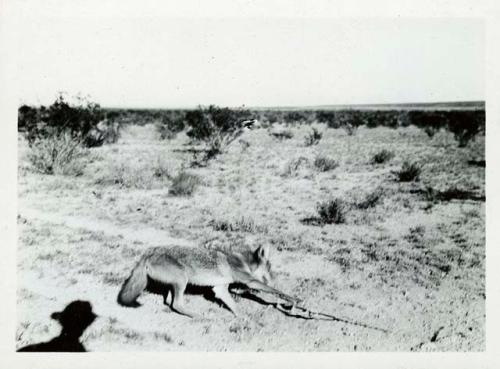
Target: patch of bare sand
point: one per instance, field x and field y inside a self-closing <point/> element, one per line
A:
<point x="144" y="234"/>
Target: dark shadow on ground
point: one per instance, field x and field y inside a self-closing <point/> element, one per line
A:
<point x="164" y="290"/>
<point x="313" y="221"/>
<point x="74" y="319"/>
<point x="207" y="293"/>
<point x="452" y="193"/>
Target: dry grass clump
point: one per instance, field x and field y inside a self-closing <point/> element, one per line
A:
<point x="313" y="137"/>
<point x="58" y="154"/>
<point x="332" y="211"/>
<point x="382" y="156"/>
<point x="325" y="164"/>
<point x="184" y="184"/>
<point x="409" y="172"/>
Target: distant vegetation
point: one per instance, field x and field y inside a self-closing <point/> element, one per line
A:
<point x="81" y="118"/>
<point x="58" y="133"/>
<point x="170" y="124"/>
<point x="219" y="126"/>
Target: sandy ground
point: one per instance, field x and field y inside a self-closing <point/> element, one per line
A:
<point x="409" y="265"/>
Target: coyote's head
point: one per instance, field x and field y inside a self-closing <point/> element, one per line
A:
<point x="260" y="264"/>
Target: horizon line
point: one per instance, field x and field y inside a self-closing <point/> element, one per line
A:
<point x="305" y="107"/>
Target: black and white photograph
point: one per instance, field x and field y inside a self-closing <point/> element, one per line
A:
<point x="257" y="184"/>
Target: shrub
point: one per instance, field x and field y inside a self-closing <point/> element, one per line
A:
<point x="332" y="211"/>
<point x="297" y="116"/>
<point x="428" y="118"/>
<point x="349" y="120"/>
<point x="58" y="154"/>
<point x="27" y="119"/>
<point x="217" y="127"/>
<point x="429" y="121"/>
<point x="324" y="163"/>
<point x="430" y="131"/>
<point x="170" y="125"/>
<point x="164" y="132"/>
<point x="313" y="137"/>
<point x="385" y="118"/>
<point x="184" y="184"/>
<point x="382" y="156"/>
<point x="78" y="119"/>
<point x="105" y="132"/>
<point x="271" y="116"/>
<point x="465" y="125"/>
<point x="327" y="117"/>
<point x="409" y="172"/>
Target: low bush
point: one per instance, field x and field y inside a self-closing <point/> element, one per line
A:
<point x="324" y="163"/>
<point x="382" y="156"/>
<point x="332" y="211"/>
<point x="327" y="117"/>
<point x="350" y="121"/>
<point x="464" y="124"/>
<point x="409" y="172"/>
<point x="170" y="124"/>
<point x="298" y="116"/>
<point x="80" y="119"/>
<point x="217" y="127"/>
<point x="382" y="118"/>
<point x="105" y="132"/>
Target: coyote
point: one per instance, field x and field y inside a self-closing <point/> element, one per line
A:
<point x="177" y="266"/>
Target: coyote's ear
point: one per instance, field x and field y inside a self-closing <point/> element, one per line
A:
<point x="262" y="252"/>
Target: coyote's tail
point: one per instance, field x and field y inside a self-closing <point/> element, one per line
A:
<point x="134" y="285"/>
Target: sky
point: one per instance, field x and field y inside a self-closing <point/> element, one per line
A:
<point x="180" y="62"/>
